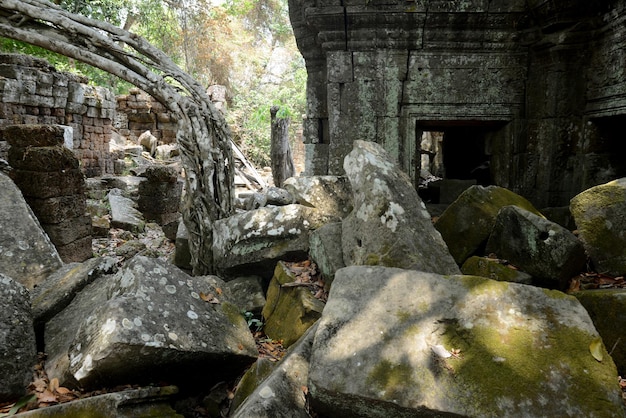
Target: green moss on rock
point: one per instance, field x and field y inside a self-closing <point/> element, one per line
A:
<point x="467" y="222"/>
<point x="289" y="311"/>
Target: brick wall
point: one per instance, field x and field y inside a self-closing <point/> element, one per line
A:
<point x="33" y="92"/>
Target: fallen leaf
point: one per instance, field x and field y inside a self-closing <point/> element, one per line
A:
<point x="209" y="298"/>
<point x="218" y="290"/>
<point x="63" y="391"/>
<point x="47" y="397"/>
<point x="39" y="385"/>
<point x="596" y="349"/>
<point x="53" y="385"/>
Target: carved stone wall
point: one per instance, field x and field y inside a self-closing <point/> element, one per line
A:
<point x="535" y="88"/>
<point x="33" y="92"/>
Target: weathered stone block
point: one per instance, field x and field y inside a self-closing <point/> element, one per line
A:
<point x="606" y="308"/>
<point x="544" y="249"/>
<point x="42" y="185"/>
<point x="442" y="345"/>
<point x="289" y="310"/>
<point x="147" y="323"/>
<point x="69" y="230"/>
<point x="18" y="353"/>
<point x="130" y="403"/>
<point x="282" y="394"/>
<point x="389" y="224"/>
<point x="23" y="136"/>
<point x="467" y="222"/>
<point x="258" y="239"/>
<point x="54" y="210"/>
<point x="325" y="249"/>
<point x="330" y="194"/>
<point x="26" y="253"/>
<point x="52" y="295"/>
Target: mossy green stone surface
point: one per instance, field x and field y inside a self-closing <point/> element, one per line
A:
<point x="494" y="269"/>
<point x="607" y="309"/>
<point x="599" y="216"/>
<point x="290" y="310"/>
<point x="467" y="222"/>
<point x="457" y="346"/>
<point x="253" y="377"/>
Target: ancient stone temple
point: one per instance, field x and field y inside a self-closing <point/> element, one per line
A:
<point x="532" y="90"/>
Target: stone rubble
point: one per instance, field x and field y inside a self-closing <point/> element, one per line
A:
<point x="139" y="320"/>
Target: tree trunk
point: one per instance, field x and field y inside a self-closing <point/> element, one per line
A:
<point x="203" y="136"/>
<point x="280" y="151"/>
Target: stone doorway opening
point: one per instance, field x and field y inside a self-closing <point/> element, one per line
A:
<point x="457" y="153"/>
<point x="608" y="148"/>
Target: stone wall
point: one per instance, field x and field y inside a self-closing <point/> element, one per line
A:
<point x="139" y="112"/>
<point x="535" y="88"/>
<point x="33" y="92"/>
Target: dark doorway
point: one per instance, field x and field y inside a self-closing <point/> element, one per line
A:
<point x="465" y="156"/>
<point x="609" y="148"/>
<point x="464" y="151"/>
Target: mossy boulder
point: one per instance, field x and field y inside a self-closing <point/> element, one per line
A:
<point x="389" y="224"/>
<point x="395" y="342"/>
<point x="494" y="269"/>
<point x="541" y="248"/>
<point x="466" y="224"/>
<point x="289" y="310"/>
<point x="607" y="309"/>
<point x="599" y="216"/>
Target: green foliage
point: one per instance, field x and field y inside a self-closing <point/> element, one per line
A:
<point x="231" y="44"/>
<point x="254" y="324"/>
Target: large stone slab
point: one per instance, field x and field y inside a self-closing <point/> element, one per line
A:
<point x="599" y="216"/>
<point x="256" y="240"/>
<point x="466" y="224"/>
<point x="389" y="224"/>
<point x="26" y="253"/>
<point x="402" y="343"/>
<point x="133" y="403"/>
<point x="150" y="322"/>
<point x="60" y="288"/>
<point x="18" y="353"/>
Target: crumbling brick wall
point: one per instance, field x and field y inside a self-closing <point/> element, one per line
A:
<point x="138" y="112"/>
<point x="33" y="92"/>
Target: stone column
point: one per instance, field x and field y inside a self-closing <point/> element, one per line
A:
<point x="159" y="197"/>
<point x="49" y="176"/>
